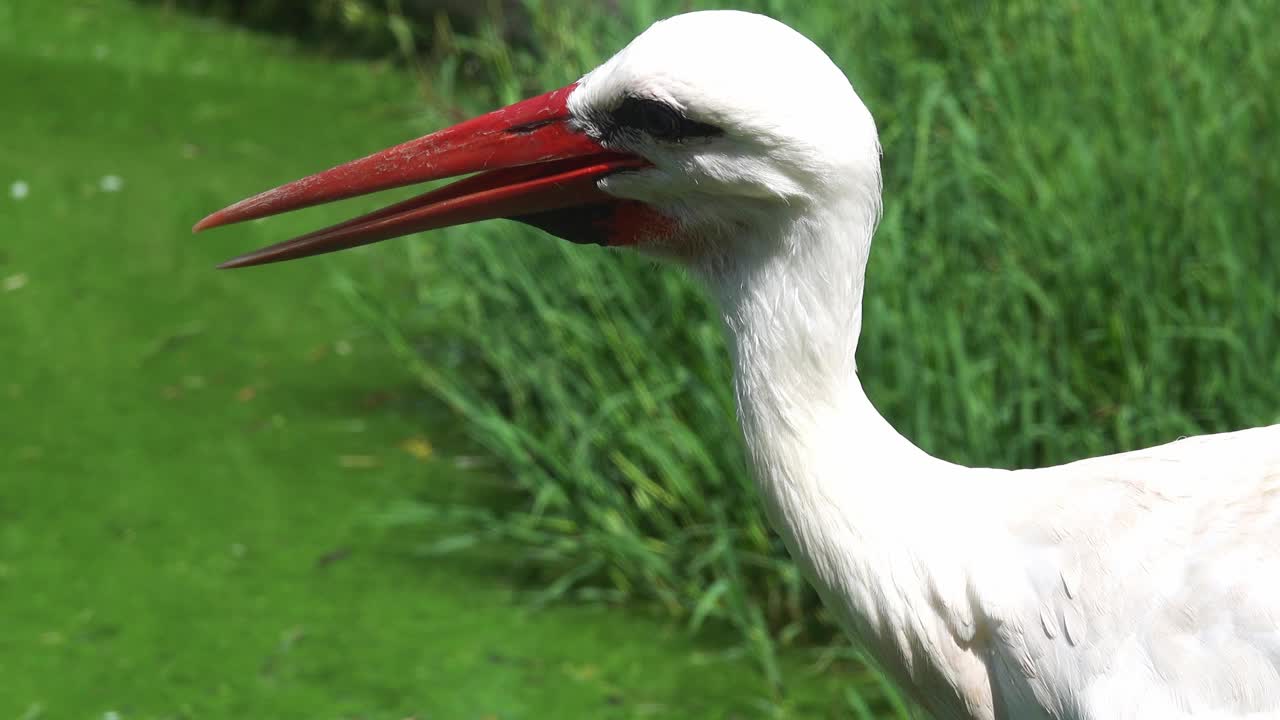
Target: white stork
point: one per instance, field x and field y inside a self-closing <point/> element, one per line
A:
<point x="1139" y="585"/>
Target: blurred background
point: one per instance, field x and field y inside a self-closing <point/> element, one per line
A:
<point x="484" y="474"/>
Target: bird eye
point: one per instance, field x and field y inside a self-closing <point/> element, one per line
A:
<point x="658" y="119"/>
<point x="648" y="116"/>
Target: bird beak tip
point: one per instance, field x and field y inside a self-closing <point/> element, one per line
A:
<point x="526" y="158"/>
<point x="242" y="261"/>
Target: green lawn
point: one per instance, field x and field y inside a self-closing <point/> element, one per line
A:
<point x="190" y="460"/>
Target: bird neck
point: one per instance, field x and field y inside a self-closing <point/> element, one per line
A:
<point x="866" y="515"/>
<point x="793" y="315"/>
<point x="837" y="481"/>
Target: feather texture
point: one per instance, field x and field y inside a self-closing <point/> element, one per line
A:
<point x="1139" y="585"/>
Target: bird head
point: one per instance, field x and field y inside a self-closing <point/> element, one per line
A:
<point x="706" y="128"/>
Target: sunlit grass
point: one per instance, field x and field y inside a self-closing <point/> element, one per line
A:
<point x="190" y="460"/>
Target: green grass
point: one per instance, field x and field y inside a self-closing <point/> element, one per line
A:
<point x="206" y="504"/>
<point x="195" y="465"/>
<point x="1078" y="256"/>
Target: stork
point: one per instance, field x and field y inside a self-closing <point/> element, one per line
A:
<point x="1138" y="585"/>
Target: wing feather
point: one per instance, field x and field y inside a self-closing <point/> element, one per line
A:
<point x="1152" y="582"/>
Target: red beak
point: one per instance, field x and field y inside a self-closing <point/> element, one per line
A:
<point x="532" y="160"/>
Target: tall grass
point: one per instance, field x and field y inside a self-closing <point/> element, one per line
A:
<point x="1079" y="255"/>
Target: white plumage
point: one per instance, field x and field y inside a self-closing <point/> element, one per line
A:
<point x="1140" y="585"/>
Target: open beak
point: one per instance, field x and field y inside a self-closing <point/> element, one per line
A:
<point x="531" y="160"/>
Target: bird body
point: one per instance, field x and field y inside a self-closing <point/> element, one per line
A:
<point x="1138" y="585"/>
<point x="1144" y="584"/>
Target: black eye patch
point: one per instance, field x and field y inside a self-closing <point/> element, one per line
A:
<point x="658" y="120"/>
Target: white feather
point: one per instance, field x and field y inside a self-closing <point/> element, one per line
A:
<point x="1141" y="585"/>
